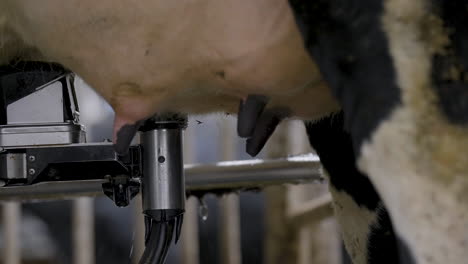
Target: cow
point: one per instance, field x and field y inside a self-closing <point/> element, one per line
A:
<point x="382" y="85"/>
<point x="366" y="228"/>
<point x="398" y="70"/>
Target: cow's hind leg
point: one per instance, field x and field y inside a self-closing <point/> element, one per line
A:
<point x="366" y="228"/>
<point x="399" y="70"/>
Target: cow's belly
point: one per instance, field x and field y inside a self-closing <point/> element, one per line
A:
<point x="193" y="56"/>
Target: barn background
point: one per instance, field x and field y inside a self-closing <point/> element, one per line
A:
<point x="282" y="224"/>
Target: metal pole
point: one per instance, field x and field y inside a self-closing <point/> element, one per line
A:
<point x="280" y="245"/>
<point x="241" y="175"/>
<point x="228" y="176"/>
<point x="229" y="205"/>
<point x="296" y="196"/>
<point x="309" y="208"/>
<point x="139" y="229"/>
<point x="83" y="231"/>
<point x="11" y="214"/>
<point x="189" y="238"/>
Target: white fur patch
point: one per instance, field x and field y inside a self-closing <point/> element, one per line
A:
<point x="355" y="223"/>
<point x="416" y="159"/>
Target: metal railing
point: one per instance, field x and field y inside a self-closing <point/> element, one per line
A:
<point x="229" y="176"/>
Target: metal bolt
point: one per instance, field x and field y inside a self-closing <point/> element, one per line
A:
<point x="32" y="171"/>
<point x="2" y="183"/>
<point x="32" y="158"/>
<point x="1" y="149"/>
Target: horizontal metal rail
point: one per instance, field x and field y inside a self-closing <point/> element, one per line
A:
<point x="200" y="178"/>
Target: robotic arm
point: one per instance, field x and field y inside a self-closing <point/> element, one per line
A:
<point x="43" y="153"/>
<point x="47" y="144"/>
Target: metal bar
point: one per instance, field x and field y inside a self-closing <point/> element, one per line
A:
<point x="53" y="190"/>
<point x="230" y="232"/>
<point x="309" y="212"/>
<point x="230" y="228"/>
<point x="296" y="194"/>
<point x="11" y="216"/>
<point x="139" y="230"/>
<point x="190" y="238"/>
<point x="190" y="230"/>
<point x="280" y="245"/>
<point x="222" y="176"/>
<point x="248" y="174"/>
<point x="83" y="231"/>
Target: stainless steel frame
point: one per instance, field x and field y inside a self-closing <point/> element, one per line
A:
<point x="219" y="177"/>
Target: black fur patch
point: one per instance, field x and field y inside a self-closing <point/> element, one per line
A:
<point x="450" y="70"/>
<point x="333" y="145"/>
<point x="346" y="40"/>
<point x="382" y="246"/>
<point x="406" y="257"/>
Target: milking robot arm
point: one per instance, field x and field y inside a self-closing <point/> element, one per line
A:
<point x="44" y="155"/>
<point x="44" y="145"/>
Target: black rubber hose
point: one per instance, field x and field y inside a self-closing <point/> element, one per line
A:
<point x="158" y="242"/>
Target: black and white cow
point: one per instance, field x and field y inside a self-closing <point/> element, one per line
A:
<point x="366" y="227"/>
<point x="396" y="68"/>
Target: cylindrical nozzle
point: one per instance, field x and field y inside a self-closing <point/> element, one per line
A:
<point x="163" y="170"/>
<point x="163" y="184"/>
